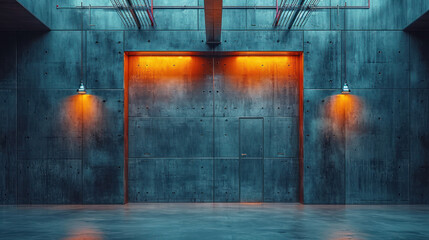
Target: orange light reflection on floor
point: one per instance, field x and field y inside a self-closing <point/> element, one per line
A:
<point x="343" y="235"/>
<point x="84" y="234"/>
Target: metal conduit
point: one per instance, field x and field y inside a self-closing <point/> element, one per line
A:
<point x="224" y="7"/>
<point x="290" y="13"/>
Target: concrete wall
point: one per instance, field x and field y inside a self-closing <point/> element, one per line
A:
<point x="370" y="147"/>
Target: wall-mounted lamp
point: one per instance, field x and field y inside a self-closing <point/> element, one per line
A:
<point x="81" y="89"/>
<point x="345" y="89"/>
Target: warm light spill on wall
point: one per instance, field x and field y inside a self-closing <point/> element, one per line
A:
<point x="169" y="77"/>
<point x="71" y="116"/>
<point x="256" y="75"/>
<point x="91" y="111"/>
<point x="80" y="111"/>
<point x="343" y="110"/>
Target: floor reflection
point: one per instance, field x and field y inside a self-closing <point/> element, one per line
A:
<point x="84" y="234"/>
<point x="214" y="221"/>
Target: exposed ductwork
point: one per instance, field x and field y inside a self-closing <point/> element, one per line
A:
<point x="135" y="13"/>
<point x="294" y="13"/>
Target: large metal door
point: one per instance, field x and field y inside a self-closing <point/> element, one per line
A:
<point x="251" y="159"/>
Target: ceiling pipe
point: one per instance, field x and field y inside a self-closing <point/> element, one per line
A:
<point x="225" y="7"/>
<point x="133" y="13"/>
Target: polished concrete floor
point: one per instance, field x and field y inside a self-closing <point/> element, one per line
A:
<point x="214" y="221"/>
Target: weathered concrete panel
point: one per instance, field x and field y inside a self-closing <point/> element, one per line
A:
<point x="170" y="86"/>
<point x="419" y="145"/>
<point x="242" y="88"/>
<point x="324" y="147"/>
<point x="319" y="19"/>
<point x="67" y="19"/>
<point x="49" y="60"/>
<point x="103" y="185"/>
<point x="373" y="62"/>
<point x="170" y="180"/>
<point x="103" y="128"/>
<point x="259" y="19"/>
<point x="49" y="124"/>
<point x="286" y="81"/>
<point x="103" y="146"/>
<point x="226" y="180"/>
<point x="322" y="59"/>
<point x="281" y="137"/>
<point x="226" y="137"/>
<point x="281" y="180"/>
<point x="245" y="86"/>
<point x="251" y="137"/>
<point x="261" y="41"/>
<point x="174" y="19"/>
<point x="419" y="60"/>
<point x="32" y="182"/>
<point x="178" y="2"/>
<point x="8" y="61"/>
<point x="383" y="15"/>
<point x="105" y="59"/>
<point x="165" y="41"/>
<point x="377" y="147"/>
<point x="63" y="181"/>
<point x="232" y="19"/>
<point x="251" y="180"/>
<point x="8" y="165"/>
<point x="55" y="181"/>
<point x="101" y="19"/>
<point x="171" y="137"/>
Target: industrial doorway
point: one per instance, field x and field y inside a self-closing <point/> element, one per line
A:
<point x="251" y="159"/>
<point x="204" y="127"/>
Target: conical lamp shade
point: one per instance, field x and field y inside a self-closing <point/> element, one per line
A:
<point x="81" y="89"/>
<point x="346" y="89"/>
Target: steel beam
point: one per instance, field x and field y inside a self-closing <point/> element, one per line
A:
<point x="213" y="19"/>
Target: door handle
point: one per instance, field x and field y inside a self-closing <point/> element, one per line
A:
<point x="243" y="154"/>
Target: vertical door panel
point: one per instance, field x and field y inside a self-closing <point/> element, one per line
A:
<point x="251" y="159"/>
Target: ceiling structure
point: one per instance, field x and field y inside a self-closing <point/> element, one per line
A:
<point x="14" y="17"/>
<point x="213" y="19"/>
<point x="421" y="24"/>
